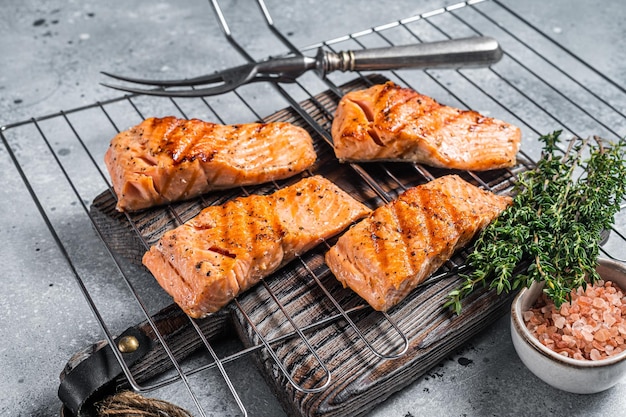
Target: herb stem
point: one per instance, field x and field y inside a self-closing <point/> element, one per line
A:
<point x="555" y="221"/>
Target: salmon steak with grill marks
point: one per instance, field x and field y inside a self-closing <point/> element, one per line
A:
<point x="169" y="159"/>
<point x="387" y="122"/>
<point x="386" y="255"/>
<point x="206" y="262"/>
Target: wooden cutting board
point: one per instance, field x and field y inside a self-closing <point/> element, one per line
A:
<point x="352" y="363"/>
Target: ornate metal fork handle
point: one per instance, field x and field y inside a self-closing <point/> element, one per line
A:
<point x="455" y="54"/>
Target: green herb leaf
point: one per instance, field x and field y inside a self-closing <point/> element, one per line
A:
<point x="552" y="230"/>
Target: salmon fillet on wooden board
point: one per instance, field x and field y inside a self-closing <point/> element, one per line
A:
<point x="387" y="122"/>
<point x="168" y="159"/>
<point x="385" y="256"/>
<point x="206" y="262"/>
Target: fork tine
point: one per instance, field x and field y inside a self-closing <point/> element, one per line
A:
<point x="204" y="79"/>
<point x="224" y="87"/>
<point x="200" y="92"/>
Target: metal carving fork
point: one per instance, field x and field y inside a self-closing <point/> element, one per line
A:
<point x="457" y="53"/>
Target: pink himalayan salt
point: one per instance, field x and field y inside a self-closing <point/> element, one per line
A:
<point x="591" y="327"/>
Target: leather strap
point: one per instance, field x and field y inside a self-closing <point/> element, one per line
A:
<point x="93" y="378"/>
<point x="94" y="373"/>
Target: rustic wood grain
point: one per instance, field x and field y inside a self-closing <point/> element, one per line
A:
<point x="359" y="378"/>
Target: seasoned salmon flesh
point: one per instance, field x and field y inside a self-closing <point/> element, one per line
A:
<point x="386" y="255"/>
<point x="168" y="159"/>
<point x="387" y="122"/>
<point x="206" y="262"/>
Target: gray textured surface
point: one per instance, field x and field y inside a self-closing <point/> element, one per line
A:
<point x="52" y="52"/>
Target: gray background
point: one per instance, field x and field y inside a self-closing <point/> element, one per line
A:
<point x="52" y="52"/>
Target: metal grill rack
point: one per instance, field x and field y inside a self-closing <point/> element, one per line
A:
<point x="539" y="85"/>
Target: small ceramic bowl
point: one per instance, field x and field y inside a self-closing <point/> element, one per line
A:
<point x="567" y="374"/>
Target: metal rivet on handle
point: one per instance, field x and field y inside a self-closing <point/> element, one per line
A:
<point x="128" y="344"/>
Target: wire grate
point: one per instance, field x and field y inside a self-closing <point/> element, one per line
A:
<point x="538" y="85"/>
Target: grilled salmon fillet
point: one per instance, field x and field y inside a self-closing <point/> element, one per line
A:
<point x="387" y="123"/>
<point x="168" y="159"/>
<point x="206" y="262"/>
<point x="386" y="255"/>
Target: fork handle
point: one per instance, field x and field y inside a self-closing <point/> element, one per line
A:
<point x="457" y="53"/>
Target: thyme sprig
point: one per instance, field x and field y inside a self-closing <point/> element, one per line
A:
<point x="552" y="230"/>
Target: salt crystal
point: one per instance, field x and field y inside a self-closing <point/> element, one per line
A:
<point x="608" y="318"/>
<point x="541" y="329"/>
<point x="614" y="299"/>
<point x="528" y="315"/>
<point x="592" y="326"/>
<point x="598" y="345"/>
<point x="595" y="354"/>
<point x="599" y="303"/>
<point x="559" y="322"/>
<point x="602" y="335"/>
<point x="569" y="340"/>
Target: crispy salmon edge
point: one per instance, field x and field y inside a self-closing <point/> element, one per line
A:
<point x="155" y="259"/>
<point x="127" y="181"/>
<point x="383" y="297"/>
<point x="350" y="109"/>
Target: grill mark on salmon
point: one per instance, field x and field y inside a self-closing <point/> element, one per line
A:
<point x="387" y="122"/>
<point x="169" y="159"/>
<point x="206" y="262"/>
<point x="385" y="256"/>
